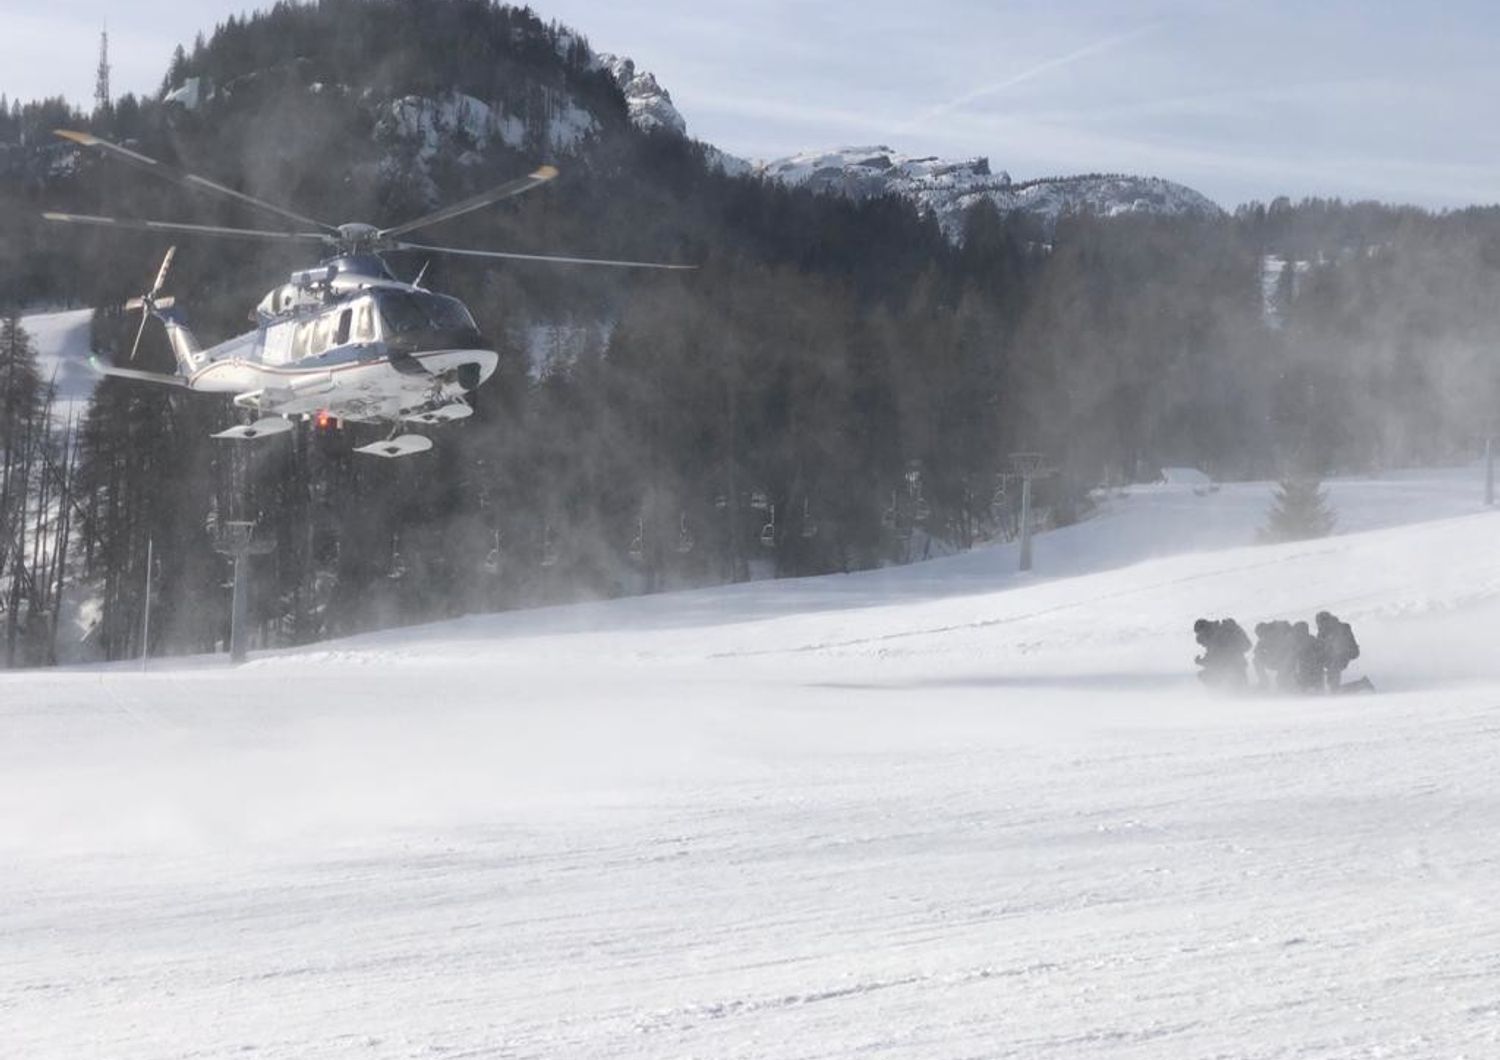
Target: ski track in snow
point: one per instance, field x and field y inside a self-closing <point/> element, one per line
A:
<point x="940" y="811"/>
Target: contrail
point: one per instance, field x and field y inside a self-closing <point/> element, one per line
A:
<point x="1030" y="73"/>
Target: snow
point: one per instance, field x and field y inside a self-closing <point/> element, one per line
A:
<point x="949" y="187"/>
<point x="941" y="810"/>
<point x="1271" y="267"/>
<point x="471" y="124"/>
<point x="568" y="124"/>
<point x="63" y="343"/>
<point x="1185" y="476"/>
<point x="190" y="94"/>
<point x="556" y="346"/>
<point x="428" y="122"/>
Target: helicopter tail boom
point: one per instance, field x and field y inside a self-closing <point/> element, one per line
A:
<point x="185" y="345"/>
<point x="136" y="374"/>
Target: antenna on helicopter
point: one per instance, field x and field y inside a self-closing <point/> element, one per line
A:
<point x="417" y="280"/>
<point x="151" y="300"/>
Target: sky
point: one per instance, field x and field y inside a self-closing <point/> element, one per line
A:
<point x="1241" y="100"/>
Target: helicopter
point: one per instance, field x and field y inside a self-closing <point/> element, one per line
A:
<point x="342" y="341"/>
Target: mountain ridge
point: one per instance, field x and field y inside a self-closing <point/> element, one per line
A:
<point x="947" y="187"/>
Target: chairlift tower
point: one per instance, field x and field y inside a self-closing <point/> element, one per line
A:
<point x="1028" y="466"/>
<point x="236" y="539"/>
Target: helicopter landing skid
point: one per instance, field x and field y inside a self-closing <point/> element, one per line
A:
<point x="446" y="414"/>
<point x="400" y="445"/>
<point x="261" y="428"/>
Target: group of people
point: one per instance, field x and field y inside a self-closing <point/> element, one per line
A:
<point x="1288" y="656"/>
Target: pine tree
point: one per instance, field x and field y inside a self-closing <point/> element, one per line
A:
<point x="21" y="432"/>
<point x="1300" y="512"/>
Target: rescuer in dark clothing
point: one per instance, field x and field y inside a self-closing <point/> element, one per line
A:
<point x="1272" y="655"/>
<point x="1306" y="658"/>
<point x="1224" y="646"/>
<point x="1337" y="647"/>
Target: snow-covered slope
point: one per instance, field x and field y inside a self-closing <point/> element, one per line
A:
<point x="948" y="187"/>
<point x="62" y="344"/>
<point x="944" y="810"/>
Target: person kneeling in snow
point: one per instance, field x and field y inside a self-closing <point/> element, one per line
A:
<point x="1305" y="655"/>
<point x="1338" y="648"/>
<point x="1224" y="646"/>
<point x="1273" y="655"/>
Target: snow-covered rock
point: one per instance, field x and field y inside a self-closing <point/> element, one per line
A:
<point x="191" y="94"/>
<point x="469" y="124"/>
<point x="568" y="124"/>
<point x="455" y="116"/>
<point x="649" y="104"/>
<point x="948" y="187"/>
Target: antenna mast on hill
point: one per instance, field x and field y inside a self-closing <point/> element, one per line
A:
<point x="101" y="81"/>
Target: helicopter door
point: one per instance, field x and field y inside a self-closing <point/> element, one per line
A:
<point x="278" y="343"/>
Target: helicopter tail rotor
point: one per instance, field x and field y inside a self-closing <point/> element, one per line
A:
<point x="151" y="301"/>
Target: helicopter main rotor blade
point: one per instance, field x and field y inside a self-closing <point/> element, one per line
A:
<point x="177" y="226"/>
<point x="177" y="176"/>
<point x="509" y="189"/>
<point x="549" y="258"/>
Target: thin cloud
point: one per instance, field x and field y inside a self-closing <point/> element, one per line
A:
<point x="1030" y="73"/>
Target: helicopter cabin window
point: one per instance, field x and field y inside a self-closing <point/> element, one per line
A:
<point x="341" y="333"/>
<point x="322" y="333"/>
<point x="278" y="343"/>
<point x="300" y="347"/>
<point x="364" y="322"/>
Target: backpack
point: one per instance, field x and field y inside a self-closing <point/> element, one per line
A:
<point x="1233" y="639"/>
<point x="1344" y="641"/>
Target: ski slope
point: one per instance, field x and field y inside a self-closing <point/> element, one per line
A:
<point x="62" y="342"/>
<point x="945" y="810"/>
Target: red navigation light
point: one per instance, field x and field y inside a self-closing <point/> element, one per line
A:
<point x="325" y="420"/>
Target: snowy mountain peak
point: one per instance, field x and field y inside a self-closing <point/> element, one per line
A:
<point x="649" y="104"/>
<point x="949" y="187"/>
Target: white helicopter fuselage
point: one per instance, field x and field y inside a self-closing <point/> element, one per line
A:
<point x="345" y="342"/>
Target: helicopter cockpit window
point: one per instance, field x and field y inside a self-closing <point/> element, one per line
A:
<point x="406" y="312"/>
<point x="448" y="313"/>
<point x="402" y="312"/>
